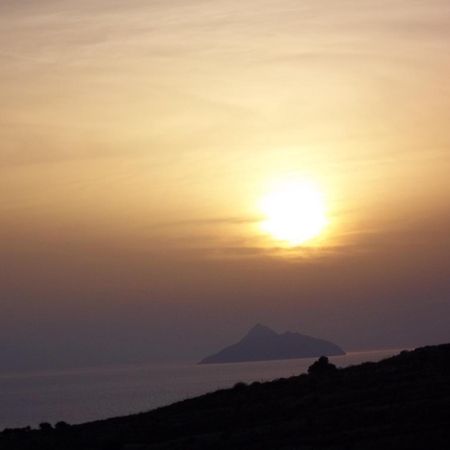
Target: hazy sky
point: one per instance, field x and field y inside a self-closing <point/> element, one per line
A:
<point x="138" y="138"/>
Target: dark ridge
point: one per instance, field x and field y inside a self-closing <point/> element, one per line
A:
<point x="263" y="344"/>
<point x="399" y="403"/>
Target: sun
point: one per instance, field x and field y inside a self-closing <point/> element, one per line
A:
<point x="294" y="213"/>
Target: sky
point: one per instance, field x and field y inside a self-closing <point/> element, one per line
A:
<point x="137" y="139"/>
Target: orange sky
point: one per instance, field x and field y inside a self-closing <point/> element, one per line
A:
<point x="137" y="139"/>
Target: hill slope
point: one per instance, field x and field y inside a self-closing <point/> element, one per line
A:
<point x="400" y="403"/>
<point x="263" y="344"/>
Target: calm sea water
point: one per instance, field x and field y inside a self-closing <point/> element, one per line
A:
<point x="77" y="396"/>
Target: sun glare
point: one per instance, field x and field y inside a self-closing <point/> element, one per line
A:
<point x="294" y="213"/>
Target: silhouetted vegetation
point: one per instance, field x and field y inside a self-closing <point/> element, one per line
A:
<point x="45" y="426"/>
<point x="400" y="403"/>
<point x="61" y="426"/>
<point x="322" y="368"/>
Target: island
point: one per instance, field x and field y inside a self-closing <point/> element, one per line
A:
<point x="261" y="343"/>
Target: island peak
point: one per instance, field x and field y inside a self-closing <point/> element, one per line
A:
<point x="259" y="331"/>
<point x="261" y="343"/>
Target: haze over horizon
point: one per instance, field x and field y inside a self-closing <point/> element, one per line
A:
<point x="138" y="140"/>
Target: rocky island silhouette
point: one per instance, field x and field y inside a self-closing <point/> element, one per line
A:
<point x="261" y="343"/>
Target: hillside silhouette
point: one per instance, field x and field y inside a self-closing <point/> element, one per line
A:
<point x="263" y="344"/>
<point x="402" y="402"/>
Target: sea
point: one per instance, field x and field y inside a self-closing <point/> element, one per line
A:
<point x="83" y="395"/>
